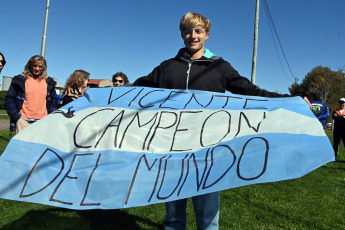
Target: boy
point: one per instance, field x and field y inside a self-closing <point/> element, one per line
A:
<point x="197" y="68"/>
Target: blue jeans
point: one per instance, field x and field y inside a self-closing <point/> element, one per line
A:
<point x="206" y="208"/>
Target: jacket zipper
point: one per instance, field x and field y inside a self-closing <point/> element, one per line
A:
<point x="188" y="71"/>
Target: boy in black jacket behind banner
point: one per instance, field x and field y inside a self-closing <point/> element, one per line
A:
<point x="195" y="67"/>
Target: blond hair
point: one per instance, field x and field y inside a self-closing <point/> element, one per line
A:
<point x="76" y="79"/>
<point x="31" y="62"/>
<point x="195" y="20"/>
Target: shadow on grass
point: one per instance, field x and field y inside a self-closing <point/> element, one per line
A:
<point x="115" y="219"/>
<point x="6" y="139"/>
<point x="337" y="165"/>
<point x="58" y="219"/>
<point x="340" y="161"/>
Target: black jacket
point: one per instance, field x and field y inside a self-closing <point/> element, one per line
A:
<point x="339" y="121"/>
<point x="209" y="73"/>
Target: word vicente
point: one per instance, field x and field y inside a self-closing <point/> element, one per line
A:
<point x="173" y="99"/>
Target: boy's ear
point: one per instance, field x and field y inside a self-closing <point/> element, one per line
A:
<point x="182" y="33"/>
<point x="207" y="35"/>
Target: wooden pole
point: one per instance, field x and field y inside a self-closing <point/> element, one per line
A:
<point x="256" y="32"/>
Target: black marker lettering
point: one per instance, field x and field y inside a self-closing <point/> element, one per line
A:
<point x="111" y="94"/>
<point x="161" y="127"/>
<point x="180" y="130"/>
<point x="227" y="125"/>
<point x="142" y="106"/>
<point x="76" y="129"/>
<point x="149" y="167"/>
<point x="254" y="100"/>
<point x="35" y="167"/>
<point x="264" y="164"/>
<point x="248" y="123"/>
<point x="154" y="118"/>
<point x="168" y="99"/>
<point x="120" y="114"/>
<point x="87" y="187"/>
<point x="193" y="96"/>
<point x="226" y="171"/>
<point x="69" y="177"/>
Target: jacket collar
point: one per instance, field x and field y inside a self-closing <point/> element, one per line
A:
<point x="208" y="55"/>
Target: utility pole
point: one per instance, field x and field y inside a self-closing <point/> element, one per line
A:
<point x="256" y="31"/>
<point x="44" y="37"/>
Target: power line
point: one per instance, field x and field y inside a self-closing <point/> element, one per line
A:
<point x="271" y="23"/>
<point x="275" y="45"/>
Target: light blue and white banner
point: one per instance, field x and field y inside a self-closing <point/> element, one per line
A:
<point x="132" y="146"/>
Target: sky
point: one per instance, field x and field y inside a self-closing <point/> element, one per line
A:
<point x="134" y="36"/>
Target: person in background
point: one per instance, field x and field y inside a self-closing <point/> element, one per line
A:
<point x="75" y="86"/>
<point x="339" y="126"/>
<point x="31" y="95"/>
<point x="321" y="111"/>
<point x="120" y="79"/>
<point x="195" y="67"/>
<point x="2" y="61"/>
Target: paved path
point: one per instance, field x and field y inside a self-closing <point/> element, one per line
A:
<point x="4" y="124"/>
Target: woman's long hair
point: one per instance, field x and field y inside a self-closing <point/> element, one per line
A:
<point x="77" y="79"/>
<point x="31" y="62"/>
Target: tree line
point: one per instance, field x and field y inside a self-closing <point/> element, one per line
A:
<point x="322" y="84"/>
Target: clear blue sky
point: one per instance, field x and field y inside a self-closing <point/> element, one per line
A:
<point x="103" y="37"/>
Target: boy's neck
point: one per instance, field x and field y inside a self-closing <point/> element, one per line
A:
<point x="196" y="55"/>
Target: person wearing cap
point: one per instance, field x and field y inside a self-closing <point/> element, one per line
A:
<point x="321" y="111"/>
<point x="339" y="125"/>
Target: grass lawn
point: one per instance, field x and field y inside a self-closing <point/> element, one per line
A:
<point x="3" y="115"/>
<point x="315" y="201"/>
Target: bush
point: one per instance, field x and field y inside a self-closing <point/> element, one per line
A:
<point x="2" y="99"/>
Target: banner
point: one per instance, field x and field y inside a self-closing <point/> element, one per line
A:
<point x="133" y="146"/>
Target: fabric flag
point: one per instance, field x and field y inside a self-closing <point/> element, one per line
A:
<point x="133" y="146"/>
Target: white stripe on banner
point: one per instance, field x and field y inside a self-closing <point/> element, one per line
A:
<point x="133" y="146"/>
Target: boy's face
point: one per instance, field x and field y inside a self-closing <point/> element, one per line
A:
<point x="194" y="38"/>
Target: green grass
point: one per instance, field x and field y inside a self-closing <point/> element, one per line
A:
<point x="3" y="115"/>
<point x="315" y="201"/>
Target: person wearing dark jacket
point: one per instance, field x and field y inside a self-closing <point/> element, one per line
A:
<point x="339" y="125"/>
<point x="31" y="95"/>
<point x="208" y="73"/>
<point x="195" y="67"/>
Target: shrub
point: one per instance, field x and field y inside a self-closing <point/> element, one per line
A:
<point x="2" y="99"/>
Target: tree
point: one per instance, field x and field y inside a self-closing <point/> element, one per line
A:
<point x="322" y="84"/>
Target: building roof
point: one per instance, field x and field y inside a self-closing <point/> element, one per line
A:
<point x="100" y="82"/>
